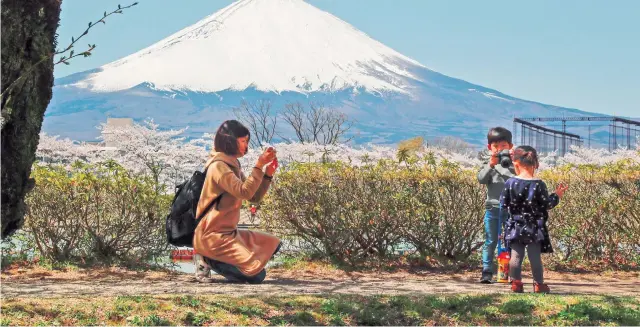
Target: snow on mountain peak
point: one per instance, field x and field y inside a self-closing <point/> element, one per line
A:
<point x="272" y="45"/>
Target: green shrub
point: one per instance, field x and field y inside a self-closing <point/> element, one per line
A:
<point x="446" y="213"/>
<point x="352" y="215"/>
<point x="599" y="216"/>
<point x="356" y="215"/>
<point x="96" y="213"/>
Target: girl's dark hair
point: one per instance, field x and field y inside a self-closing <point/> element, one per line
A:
<point x="498" y="134"/>
<point x="226" y="139"/>
<point x="526" y="155"/>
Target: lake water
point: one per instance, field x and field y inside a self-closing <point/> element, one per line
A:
<point x="184" y="266"/>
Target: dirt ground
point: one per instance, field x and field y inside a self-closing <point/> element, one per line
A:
<point x="39" y="282"/>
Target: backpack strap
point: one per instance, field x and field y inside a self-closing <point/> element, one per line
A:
<point x="217" y="198"/>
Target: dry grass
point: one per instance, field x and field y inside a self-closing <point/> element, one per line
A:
<point x="289" y="269"/>
<point x="25" y="271"/>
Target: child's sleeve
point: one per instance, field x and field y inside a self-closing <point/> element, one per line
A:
<point x="505" y="201"/>
<point x="484" y="175"/>
<point x="505" y="196"/>
<point x="549" y="200"/>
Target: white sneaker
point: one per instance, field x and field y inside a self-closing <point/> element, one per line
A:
<point x="203" y="271"/>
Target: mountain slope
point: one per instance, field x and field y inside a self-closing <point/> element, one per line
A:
<point x="284" y="51"/>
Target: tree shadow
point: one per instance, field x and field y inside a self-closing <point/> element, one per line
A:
<point x="585" y="313"/>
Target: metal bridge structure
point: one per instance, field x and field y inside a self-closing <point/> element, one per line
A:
<point x="622" y="133"/>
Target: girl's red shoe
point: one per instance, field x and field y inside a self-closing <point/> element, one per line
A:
<point x="541" y="288"/>
<point x="517" y="286"/>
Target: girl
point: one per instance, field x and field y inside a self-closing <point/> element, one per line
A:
<point x="527" y="200"/>
<point x="238" y="255"/>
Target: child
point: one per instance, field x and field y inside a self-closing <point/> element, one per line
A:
<point x="527" y="200"/>
<point x="493" y="175"/>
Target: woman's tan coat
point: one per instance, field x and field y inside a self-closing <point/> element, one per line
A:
<point x="217" y="236"/>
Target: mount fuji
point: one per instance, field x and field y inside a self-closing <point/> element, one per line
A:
<point x="284" y="51"/>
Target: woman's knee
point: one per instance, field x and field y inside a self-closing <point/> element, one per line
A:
<point x="232" y="273"/>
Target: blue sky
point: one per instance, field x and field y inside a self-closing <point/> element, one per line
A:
<point x="571" y="53"/>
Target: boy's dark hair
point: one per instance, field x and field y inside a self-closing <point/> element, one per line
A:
<point x="226" y="139"/>
<point x="498" y="134"/>
<point x="526" y="155"/>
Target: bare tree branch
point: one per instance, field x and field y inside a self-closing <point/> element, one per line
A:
<point x="294" y="115"/>
<point x="317" y="123"/>
<point x="64" y="59"/>
<point x="260" y="119"/>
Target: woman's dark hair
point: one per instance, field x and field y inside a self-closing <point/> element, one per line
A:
<point x="526" y="155"/>
<point x="226" y="139"/>
<point x="498" y="134"/>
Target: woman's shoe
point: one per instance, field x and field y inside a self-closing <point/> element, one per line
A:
<point x="203" y="270"/>
<point x="541" y="288"/>
<point x="517" y="286"/>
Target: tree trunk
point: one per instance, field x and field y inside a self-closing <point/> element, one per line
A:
<point x="28" y="35"/>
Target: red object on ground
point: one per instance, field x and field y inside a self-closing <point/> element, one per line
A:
<point x="183" y="254"/>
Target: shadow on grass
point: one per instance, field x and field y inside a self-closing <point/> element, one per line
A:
<point x="612" y="310"/>
<point x="383" y="310"/>
<point x="349" y="309"/>
<point x="585" y="313"/>
<point x="301" y="318"/>
<point x="492" y="309"/>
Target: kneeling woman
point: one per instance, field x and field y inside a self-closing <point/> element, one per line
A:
<point x="238" y="255"/>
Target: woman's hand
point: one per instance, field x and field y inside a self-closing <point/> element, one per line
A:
<point x="271" y="169"/>
<point x="561" y="189"/>
<point x="266" y="157"/>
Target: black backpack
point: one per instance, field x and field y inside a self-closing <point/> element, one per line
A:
<point x="181" y="221"/>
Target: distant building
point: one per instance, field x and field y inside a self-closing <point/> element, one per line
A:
<point x="97" y="143"/>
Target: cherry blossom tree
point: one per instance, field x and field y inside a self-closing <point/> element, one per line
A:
<point x="598" y="156"/>
<point x="165" y="154"/>
<point x="170" y="158"/>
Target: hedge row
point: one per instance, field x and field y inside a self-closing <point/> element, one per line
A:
<point x="96" y="213"/>
<point x="359" y="214"/>
<point x="354" y="215"/>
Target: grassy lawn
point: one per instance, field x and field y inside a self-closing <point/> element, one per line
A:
<point x="493" y="309"/>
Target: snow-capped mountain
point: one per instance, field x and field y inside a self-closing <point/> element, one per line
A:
<point x="284" y="51"/>
<point x="273" y="45"/>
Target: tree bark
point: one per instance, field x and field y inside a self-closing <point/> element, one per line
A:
<point x="28" y="36"/>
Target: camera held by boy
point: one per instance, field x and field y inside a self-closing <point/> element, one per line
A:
<point x="494" y="173"/>
<point x="526" y="200"/>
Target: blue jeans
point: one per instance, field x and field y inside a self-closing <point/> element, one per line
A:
<point x="492" y="228"/>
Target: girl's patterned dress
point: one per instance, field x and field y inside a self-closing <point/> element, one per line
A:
<point x="527" y="201"/>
